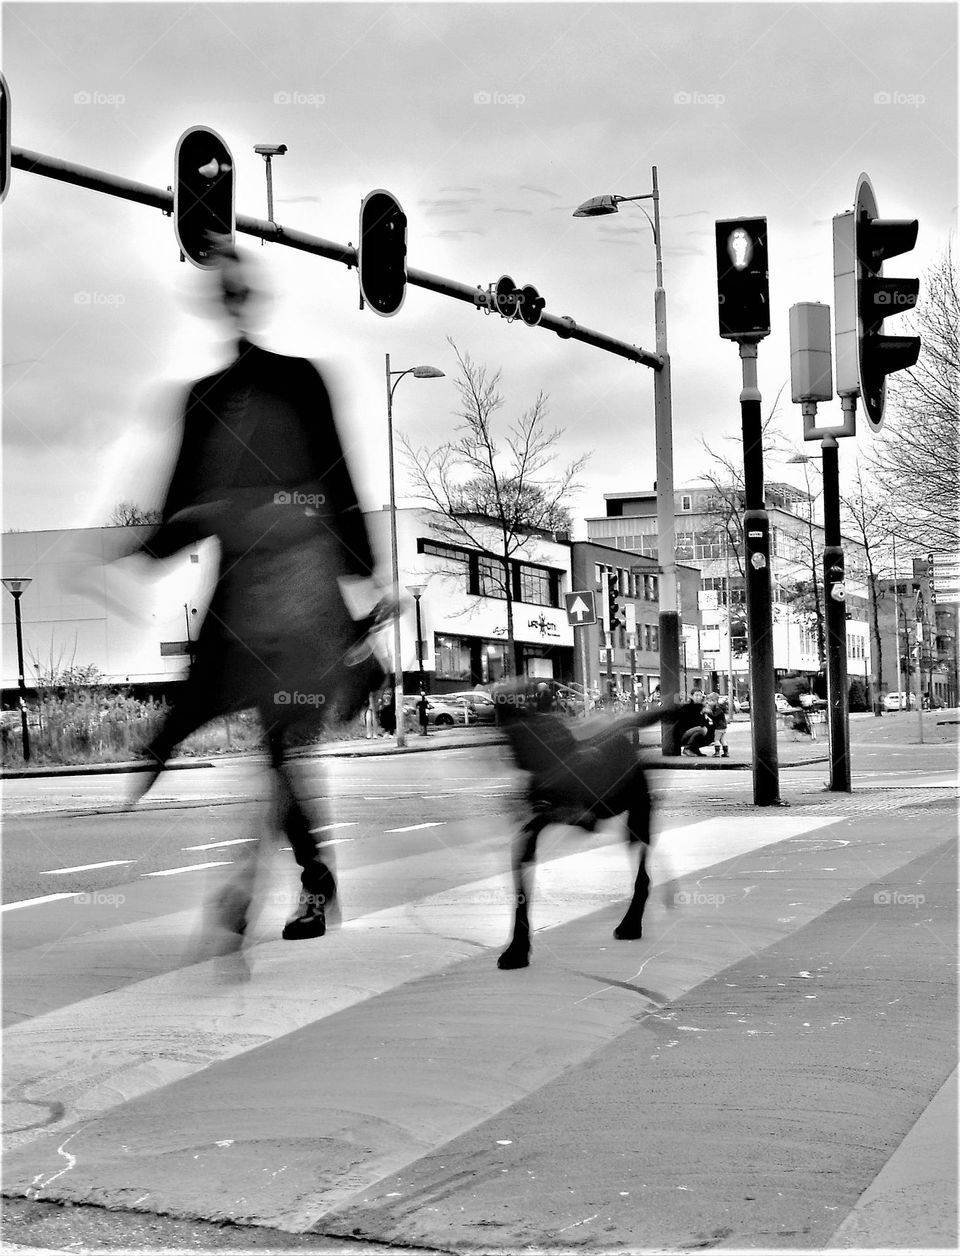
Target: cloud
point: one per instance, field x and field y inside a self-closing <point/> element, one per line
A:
<point x="503" y="209"/>
<point x="448" y="205"/>
<point x="529" y="187"/>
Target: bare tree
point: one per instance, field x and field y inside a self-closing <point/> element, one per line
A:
<point x="867" y="513"/>
<point x="478" y="483"/>
<point x="915" y="456"/>
<point x="130" y="515"/>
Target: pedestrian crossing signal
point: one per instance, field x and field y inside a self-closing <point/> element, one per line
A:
<point x="743" y="285"/>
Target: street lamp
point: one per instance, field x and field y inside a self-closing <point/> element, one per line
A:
<point x="663" y="421"/>
<point x="416" y="592"/>
<point x="418" y="372"/>
<point x="268" y="152"/>
<point x="17" y="587"/>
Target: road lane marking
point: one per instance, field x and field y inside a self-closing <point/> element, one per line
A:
<point x="172" y="872"/>
<point x="109" y="863"/>
<point x="233" y="841"/>
<point x="409" y="828"/>
<point x="32" y="902"/>
<point x="340" y="824"/>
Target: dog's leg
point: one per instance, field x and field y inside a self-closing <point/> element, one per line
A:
<point x="638" y="836"/>
<point x="517" y="954"/>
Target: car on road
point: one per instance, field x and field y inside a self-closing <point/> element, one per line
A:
<point x="898" y="701"/>
<point x="477" y="702"/>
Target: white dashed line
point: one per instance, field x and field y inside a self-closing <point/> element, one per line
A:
<point x="32" y="902"/>
<point x="409" y="828"/>
<point x="234" y="841"/>
<point x="172" y="872"/>
<point x="110" y="863"/>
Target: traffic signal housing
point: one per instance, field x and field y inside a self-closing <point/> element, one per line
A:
<point x="615" y="616"/>
<point x="382" y="260"/>
<point x="743" y="285"/>
<point x="203" y="193"/>
<point x="4" y="139"/>
<point x="864" y="297"/>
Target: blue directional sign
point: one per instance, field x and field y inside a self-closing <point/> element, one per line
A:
<point x="581" y="608"/>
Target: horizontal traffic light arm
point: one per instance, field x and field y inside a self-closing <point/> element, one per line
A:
<point x="127" y="189"/>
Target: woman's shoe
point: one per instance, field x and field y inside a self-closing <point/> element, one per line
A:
<point x="310" y="921"/>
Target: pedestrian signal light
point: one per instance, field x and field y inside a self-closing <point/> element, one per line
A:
<point x="743" y="291"/>
<point x="864" y="297"/>
<point x="203" y="194"/>
<point x="4" y="138"/>
<point x="382" y="261"/>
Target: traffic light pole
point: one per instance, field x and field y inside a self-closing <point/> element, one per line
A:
<point x="113" y="185"/>
<point x="756" y="536"/>
<point x="836" y="620"/>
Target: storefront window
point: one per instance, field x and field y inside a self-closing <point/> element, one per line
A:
<point x="453" y="658"/>
<point x="493" y="661"/>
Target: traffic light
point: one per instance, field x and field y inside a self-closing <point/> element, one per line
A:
<point x="615" y="615"/>
<point x="743" y="288"/>
<point x="4" y="138"/>
<point x="382" y="261"/>
<point x="864" y="298"/>
<point x="511" y="302"/>
<point x="531" y="305"/>
<point x="202" y="193"/>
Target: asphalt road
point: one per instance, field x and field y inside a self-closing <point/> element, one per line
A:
<point x="764" y="1070"/>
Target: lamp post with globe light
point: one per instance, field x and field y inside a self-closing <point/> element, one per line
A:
<point x="16" y="587"/>
<point x="418" y="372"/>
<point x="663" y="422"/>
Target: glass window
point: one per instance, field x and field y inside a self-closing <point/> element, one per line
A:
<point x="493" y="661"/>
<point x="535" y="586"/>
<point x="492" y="580"/>
<point x="686" y="501"/>
<point x="452" y="656"/>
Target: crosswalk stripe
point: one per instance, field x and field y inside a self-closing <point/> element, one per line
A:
<point x="109" y="1049"/>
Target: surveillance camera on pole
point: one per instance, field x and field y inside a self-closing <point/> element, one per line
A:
<point x="268" y="152"/>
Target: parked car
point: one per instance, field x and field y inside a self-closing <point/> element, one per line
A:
<point x="478" y="702"/>
<point x="781" y="703"/>
<point x="898" y="701"/>
<point x="440" y="712"/>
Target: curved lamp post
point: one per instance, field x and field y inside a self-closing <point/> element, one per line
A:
<point x="418" y="372"/>
<point x="663" y="420"/>
<point x="16" y="588"/>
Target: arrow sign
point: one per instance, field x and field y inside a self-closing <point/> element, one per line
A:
<point x="581" y="608"/>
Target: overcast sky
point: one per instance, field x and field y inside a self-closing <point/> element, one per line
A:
<point x="490" y="123"/>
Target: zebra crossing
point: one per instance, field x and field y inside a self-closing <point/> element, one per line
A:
<point x="288" y="1094"/>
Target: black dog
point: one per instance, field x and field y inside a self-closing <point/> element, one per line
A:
<point x="578" y="782"/>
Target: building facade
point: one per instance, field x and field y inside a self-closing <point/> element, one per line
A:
<point x="918" y="630"/>
<point x="629" y="658"/>
<point x="708" y="538"/>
